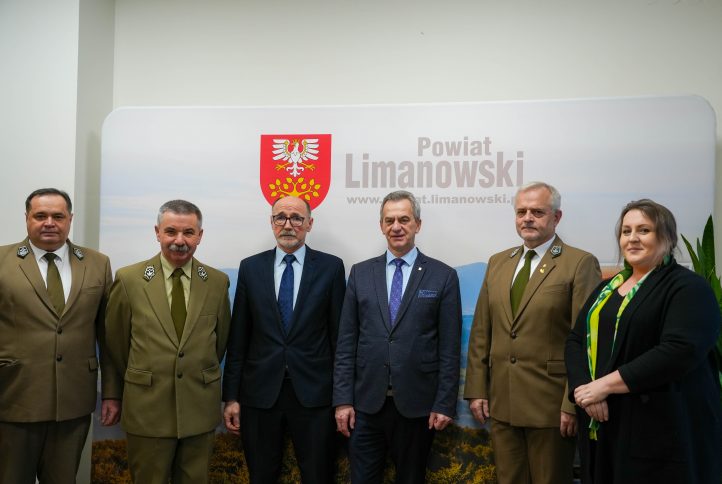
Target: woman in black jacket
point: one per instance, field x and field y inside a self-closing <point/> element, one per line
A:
<point x="640" y="365"/>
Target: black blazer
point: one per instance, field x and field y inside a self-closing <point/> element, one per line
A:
<point x="418" y="357"/>
<point x="669" y="427"/>
<point x="260" y="351"/>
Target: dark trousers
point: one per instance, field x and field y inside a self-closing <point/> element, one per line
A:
<point x="311" y="431"/>
<point x="407" y="440"/>
<point x="50" y="450"/>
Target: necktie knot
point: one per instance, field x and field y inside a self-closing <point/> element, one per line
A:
<point x="289" y="259"/>
<point x="50" y="256"/>
<point x="530" y="255"/>
<point x="399" y="263"/>
<point x="177" y="273"/>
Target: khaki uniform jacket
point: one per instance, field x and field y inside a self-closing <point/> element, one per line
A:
<point x="518" y="363"/>
<point x="170" y="388"/>
<point x="48" y="361"/>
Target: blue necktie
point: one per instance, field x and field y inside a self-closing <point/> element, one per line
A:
<point x="397" y="284"/>
<point x="285" y="291"/>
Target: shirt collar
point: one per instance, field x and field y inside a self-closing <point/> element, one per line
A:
<point x="168" y="268"/>
<point x="409" y="257"/>
<point x="300" y="255"/>
<point x="542" y="248"/>
<point x="62" y="252"/>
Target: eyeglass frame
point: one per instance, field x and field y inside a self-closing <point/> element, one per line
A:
<point x="277" y="218"/>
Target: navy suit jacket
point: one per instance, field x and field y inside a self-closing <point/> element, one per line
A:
<point x="259" y="350"/>
<point x="418" y="357"/>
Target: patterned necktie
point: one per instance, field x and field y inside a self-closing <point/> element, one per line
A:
<point x="396" y="289"/>
<point x="517" y="288"/>
<point x="178" y="302"/>
<point x="55" y="283"/>
<point x="285" y="291"/>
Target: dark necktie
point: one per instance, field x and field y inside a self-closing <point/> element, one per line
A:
<point x="55" y="283"/>
<point x="397" y="284"/>
<point x="522" y="278"/>
<point x="285" y="291"/>
<point x="178" y="303"/>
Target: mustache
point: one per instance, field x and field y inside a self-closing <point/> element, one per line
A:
<point x="179" y="248"/>
<point x="287" y="232"/>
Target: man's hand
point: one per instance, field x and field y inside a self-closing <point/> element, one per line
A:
<point x="345" y="419"/>
<point x="480" y="409"/>
<point x="568" y="424"/>
<point x="438" y="421"/>
<point x="110" y="412"/>
<point x="232" y="417"/>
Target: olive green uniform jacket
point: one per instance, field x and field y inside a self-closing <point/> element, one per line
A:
<point x="170" y="388"/>
<point x="48" y="361"/>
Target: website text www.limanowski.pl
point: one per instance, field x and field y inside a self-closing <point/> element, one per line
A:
<point x="436" y="199"/>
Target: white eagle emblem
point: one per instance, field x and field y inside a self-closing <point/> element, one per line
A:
<point x="296" y="154"/>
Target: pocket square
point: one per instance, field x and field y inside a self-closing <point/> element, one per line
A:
<point x="428" y="293"/>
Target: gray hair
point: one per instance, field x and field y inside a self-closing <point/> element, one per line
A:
<point x="402" y="195"/>
<point x="556" y="196"/>
<point x="180" y="207"/>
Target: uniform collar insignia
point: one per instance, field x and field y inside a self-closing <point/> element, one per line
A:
<point x="78" y="253"/>
<point x="149" y="273"/>
<point x="23" y="251"/>
<point x="556" y="250"/>
<point x="514" y="252"/>
<point x="202" y="273"/>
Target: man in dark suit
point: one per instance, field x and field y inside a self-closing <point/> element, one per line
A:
<point x="52" y="301"/>
<point x="167" y="324"/>
<point x="515" y="373"/>
<point x="396" y="374"/>
<point x="279" y="367"/>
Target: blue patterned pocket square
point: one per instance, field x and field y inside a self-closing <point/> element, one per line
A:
<point x="428" y="293"/>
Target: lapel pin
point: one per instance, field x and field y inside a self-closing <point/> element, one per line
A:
<point x="556" y="250"/>
<point x="78" y="253"/>
<point x="23" y="251"/>
<point x="149" y="273"/>
<point x="514" y="252"/>
<point x="202" y="273"/>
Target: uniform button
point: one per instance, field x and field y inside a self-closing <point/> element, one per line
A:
<point x="60" y="330"/>
<point x="513" y="359"/>
<point x="513" y="335"/>
<point x="59" y="358"/>
<point x="181" y="354"/>
<point x="180" y="375"/>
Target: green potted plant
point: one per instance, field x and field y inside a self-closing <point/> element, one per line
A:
<point x="703" y="261"/>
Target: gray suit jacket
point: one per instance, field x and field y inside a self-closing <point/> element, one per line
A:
<point x="48" y="361"/>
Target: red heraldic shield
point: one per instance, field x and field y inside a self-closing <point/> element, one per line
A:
<point x="296" y="165"/>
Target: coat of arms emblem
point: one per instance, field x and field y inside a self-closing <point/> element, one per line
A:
<point x="295" y="165"/>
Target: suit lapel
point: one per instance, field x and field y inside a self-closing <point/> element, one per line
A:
<point x="379" y="276"/>
<point x="506" y="276"/>
<point x="645" y="290"/>
<point x="197" y="298"/>
<point x="77" y="269"/>
<point x="155" y="291"/>
<point x="417" y="273"/>
<point x="268" y="286"/>
<point x="307" y="277"/>
<point x="30" y="268"/>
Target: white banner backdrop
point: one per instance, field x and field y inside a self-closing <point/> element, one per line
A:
<point x="463" y="161"/>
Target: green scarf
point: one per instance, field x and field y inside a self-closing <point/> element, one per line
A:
<point x="593" y="324"/>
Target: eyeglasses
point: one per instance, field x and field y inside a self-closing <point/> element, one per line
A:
<point x="280" y="220"/>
